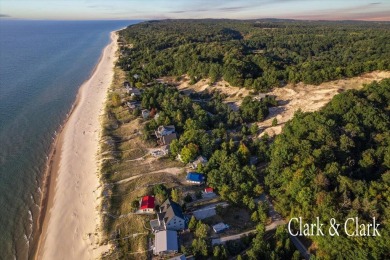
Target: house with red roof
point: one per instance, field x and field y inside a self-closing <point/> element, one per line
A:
<point x="146" y="205"/>
<point x="208" y="190"/>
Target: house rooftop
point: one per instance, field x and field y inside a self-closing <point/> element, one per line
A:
<point x="167" y="139"/>
<point x="220" y="227"/>
<point x="169" y="209"/>
<point x="147" y="202"/>
<point x="208" y="190"/>
<point x="166" y="127"/>
<point x="194" y="176"/>
<point x="166" y="241"/>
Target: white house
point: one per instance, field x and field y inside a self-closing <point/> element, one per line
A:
<point x="170" y="217"/>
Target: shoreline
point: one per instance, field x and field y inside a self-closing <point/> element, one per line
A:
<point x="50" y="186"/>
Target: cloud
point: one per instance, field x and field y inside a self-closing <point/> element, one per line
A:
<point x="225" y="6"/>
<point x="214" y="8"/>
<point x="376" y="3"/>
<point x="233" y="9"/>
<point x="4" y="15"/>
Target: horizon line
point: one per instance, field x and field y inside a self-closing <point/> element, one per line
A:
<point x="165" y="18"/>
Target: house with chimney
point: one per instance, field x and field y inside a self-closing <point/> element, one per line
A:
<point x="169" y="217"/>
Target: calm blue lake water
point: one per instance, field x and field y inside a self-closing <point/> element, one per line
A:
<point x="42" y="65"/>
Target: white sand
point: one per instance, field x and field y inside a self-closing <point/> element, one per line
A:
<point x="74" y="218"/>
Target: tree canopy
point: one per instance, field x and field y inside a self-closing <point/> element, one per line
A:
<point x="335" y="163"/>
<point x="257" y="54"/>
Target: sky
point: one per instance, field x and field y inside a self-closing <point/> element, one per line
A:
<point x="372" y="10"/>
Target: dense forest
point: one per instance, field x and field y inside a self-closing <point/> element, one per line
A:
<point x="335" y="163"/>
<point x="257" y="54"/>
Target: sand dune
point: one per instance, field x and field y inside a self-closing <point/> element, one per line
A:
<point x="310" y="98"/>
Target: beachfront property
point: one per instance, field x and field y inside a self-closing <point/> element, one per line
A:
<point x="146" y="205"/>
<point x="170" y="217"/>
<point x="220" y="227"/>
<point x="166" y="242"/>
<point x="196" y="178"/>
<point x="200" y="160"/>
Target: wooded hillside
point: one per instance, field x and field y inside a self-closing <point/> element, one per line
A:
<point x="335" y="163"/>
<point x="256" y="54"/>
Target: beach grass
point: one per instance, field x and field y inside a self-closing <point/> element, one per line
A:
<point x="126" y="155"/>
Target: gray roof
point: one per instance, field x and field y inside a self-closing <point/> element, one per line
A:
<point x="169" y="209"/>
<point x="219" y="227"/>
<point x="166" y="241"/>
<point x="167" y="139"/>
<point x="166" y="127"/>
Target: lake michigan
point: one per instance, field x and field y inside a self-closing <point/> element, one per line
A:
<point x="42" y="65"/>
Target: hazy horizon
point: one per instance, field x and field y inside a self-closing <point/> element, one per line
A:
<point x="198" y="9"/>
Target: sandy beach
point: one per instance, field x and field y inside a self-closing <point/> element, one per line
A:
<point x="71" y="224"/>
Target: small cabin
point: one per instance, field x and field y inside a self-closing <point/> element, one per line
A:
<point x="147" y="204"/>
